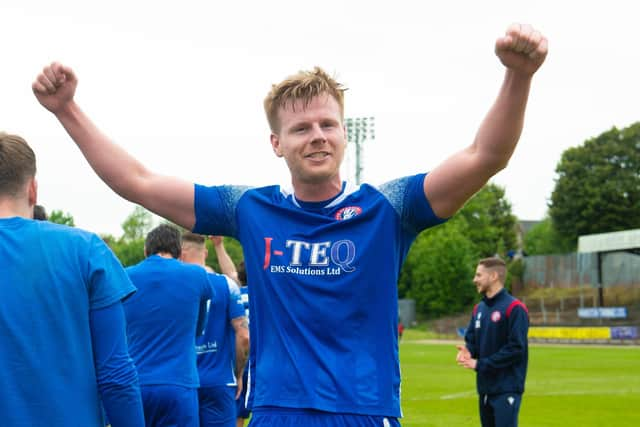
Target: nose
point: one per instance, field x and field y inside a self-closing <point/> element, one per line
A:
<point x="317" y="134"/>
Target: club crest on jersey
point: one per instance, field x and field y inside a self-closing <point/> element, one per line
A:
<point x="496" y="316"/>
<point x="348" y="212"/>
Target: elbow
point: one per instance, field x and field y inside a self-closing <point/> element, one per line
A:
<point x="116" y="379"/>
<point x="497" y="164"/>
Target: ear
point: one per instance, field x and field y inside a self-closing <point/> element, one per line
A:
<point x="33" y="192"/>
<point x="494" y="276"/>
<point x="275" y="144"/>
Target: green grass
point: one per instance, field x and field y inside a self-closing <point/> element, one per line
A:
<point x="566" y="386"/>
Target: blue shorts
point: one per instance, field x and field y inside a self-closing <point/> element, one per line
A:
<point x="170" y="405"/>
<point x="217" y="406"/>
<point x="500" y="410"/>
<point x="286" y="417"/>
<point x="241" y="404"/>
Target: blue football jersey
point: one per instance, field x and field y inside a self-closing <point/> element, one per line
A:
<point x="51" y="278"/>
<point x="216" y="347"/>
<point x="162" y="319"/>
<point x="244" y="294"/>
<point x="323" y="284"/>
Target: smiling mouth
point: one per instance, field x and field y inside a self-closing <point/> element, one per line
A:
<point x="318" y="156"/>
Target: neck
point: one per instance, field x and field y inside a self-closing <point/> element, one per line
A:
<point x="11" y="208"/>
<point x="196" y="261"/>
<point x="164" y="255"/>
<point x="494" y="289"/>
<point x="317" y="191"/>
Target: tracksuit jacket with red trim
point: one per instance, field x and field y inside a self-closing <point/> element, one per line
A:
<point x="497" y="338"/>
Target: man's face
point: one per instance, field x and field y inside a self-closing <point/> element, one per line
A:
<point x="482" y="279"/>
<point x="311" y="140"/>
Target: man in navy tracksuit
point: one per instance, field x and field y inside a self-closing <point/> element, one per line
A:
<point x="496" y="346"/>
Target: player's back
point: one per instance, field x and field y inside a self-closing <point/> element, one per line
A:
<point x="162" y="319"/>
<point x="216" y="347"/>
<point x="52" y="276"/>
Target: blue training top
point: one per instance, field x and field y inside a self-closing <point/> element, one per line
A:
<point x="216" y="348"/>
<point x="497" y="338"/>
<point x="53" y="279"/>
<point x="323" y="284"/>
<point x="162" y="319"/>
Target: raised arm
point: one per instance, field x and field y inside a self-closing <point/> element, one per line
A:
<point x="227" y="267"/>
<point x="522" y="51"/>
<point x="168" y="197"/>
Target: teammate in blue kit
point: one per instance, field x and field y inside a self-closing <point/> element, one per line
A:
<point x="243" y="412"/>
<point x="496" y="346"/>
<point x="223" y="349"/>
<point x="163" y="319"/>
<point x="63" y="344"/>
<point x="324" y="344"/>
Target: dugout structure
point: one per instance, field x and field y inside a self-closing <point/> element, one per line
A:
<point x="605" y="243"/>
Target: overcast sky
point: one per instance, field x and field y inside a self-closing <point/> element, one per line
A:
<point x="180" y="84"/>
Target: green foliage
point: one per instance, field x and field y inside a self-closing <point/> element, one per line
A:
<point x="440" y="266"/>
<point x="59" y="217"/>
<point x="439" y="270"/>
<point x="491" y="225"/>
<point x="233" y="248"/>
<point x="128" y="252"/>
<point x="137" y="224"/>
<point x="543" y="239"/>
<point x="515" y="273"/>
<point x="129" y="248"/>
<point x="598" y="185"/>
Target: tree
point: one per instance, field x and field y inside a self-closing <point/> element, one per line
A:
<point x="137" y="224"/>
<point x="440" y="266"/>
<point x="598" y="185"/>
<point x="64" y="218"/>
<point x="543" y="239"/>
<point x="439" y="270"/>
<point x="129" y="248"/>
<point x="491" y="225"/>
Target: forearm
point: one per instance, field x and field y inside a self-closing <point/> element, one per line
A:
<point x="242" y="349"/>
<point x="501" y="129"/>
<point x="169" y="197"/>
<point x="227" y="266"/>
<point x="507" y="356"/>
<point x="515" y="348"/>
<point x="116" y="376"/>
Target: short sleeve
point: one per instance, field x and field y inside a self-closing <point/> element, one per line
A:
<point x="215" y="209"/>
<point x="236" y="306"/>
<point x="407" y="197"/>
<point x="107" y="280"/>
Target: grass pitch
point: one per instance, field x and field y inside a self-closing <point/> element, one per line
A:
<point x="584" y="386"/>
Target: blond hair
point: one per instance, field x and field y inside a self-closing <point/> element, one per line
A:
<point x="305" y="86"/>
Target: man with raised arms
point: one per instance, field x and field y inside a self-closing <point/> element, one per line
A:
<point x="324" y="348"/>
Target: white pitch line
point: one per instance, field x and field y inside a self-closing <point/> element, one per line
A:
<point x="466" y="394"/>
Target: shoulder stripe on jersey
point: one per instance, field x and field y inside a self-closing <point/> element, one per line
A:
<point x="475" y="309"/>
<point x="515" y="304"/>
